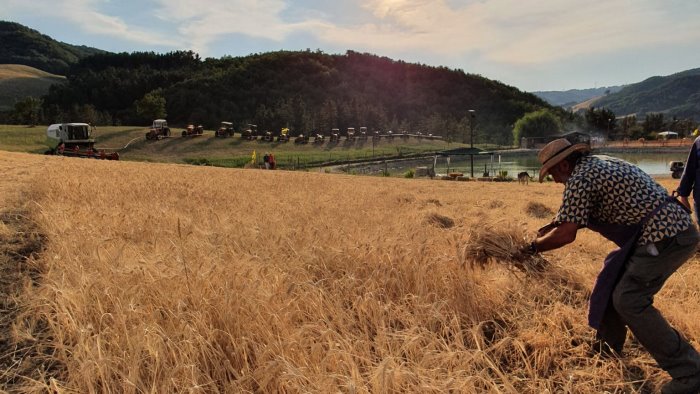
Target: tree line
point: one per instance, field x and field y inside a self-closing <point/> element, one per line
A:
<point x="310" y="92"/>
<point x="305" y="91"/>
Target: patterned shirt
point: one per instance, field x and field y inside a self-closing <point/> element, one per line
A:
<point x="613" y="191"/>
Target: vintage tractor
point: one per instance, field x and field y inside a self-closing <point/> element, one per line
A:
<point x="251" y="133"/>
<point x="319" y="138"/>
<point x="363" y="133"/>
<point x="159" y="129"/>
<point x="284" y="135"/>
<point x="75" y="140"/>
<point x="676" y="168"/>
<point x="225" y="130"/>
<point x="301" y="139"/>
<point x="192" y="131"/>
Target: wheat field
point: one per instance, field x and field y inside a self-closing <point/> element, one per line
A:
<point x="161" y="278"/>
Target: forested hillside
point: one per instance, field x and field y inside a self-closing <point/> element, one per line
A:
<point x="676" y="95"/>
<point x="305" y="91"/>
<point x="22" y="45"/>
<point x="568" y="98"/>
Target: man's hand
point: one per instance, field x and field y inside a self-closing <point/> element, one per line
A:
<point x="528" y="250"/>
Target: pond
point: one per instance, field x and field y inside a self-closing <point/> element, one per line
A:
<point x="656" y="164"/>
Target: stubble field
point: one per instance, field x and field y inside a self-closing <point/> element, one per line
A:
<point x="172" y="278"/>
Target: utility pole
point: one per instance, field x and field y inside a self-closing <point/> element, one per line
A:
<point x="472" y="116"/>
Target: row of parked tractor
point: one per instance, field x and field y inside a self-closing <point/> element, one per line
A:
<point x="160" y="130"/>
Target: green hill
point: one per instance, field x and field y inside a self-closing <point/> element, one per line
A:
<point x="22" y="45"/>
<point x="674" y="95"/>
<point x="19" y="81"/>
<point x="304" y="91"/>
<point x="572" y="97"/>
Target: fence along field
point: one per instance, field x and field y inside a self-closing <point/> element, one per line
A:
<point x="171" y="278"/>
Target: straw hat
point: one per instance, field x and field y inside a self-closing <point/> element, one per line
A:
<point x="556" y="151"/>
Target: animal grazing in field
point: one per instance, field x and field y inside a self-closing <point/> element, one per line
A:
<point x="523" y="177"/>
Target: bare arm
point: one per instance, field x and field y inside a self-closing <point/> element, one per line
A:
<point x="563" y="234"/>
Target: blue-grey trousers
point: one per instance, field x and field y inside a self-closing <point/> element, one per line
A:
<point x="632" y="305"/>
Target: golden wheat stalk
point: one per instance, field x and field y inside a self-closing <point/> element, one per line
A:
<point x="503" y="244"/>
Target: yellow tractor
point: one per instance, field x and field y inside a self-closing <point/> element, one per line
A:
<point x="284" y="135"/>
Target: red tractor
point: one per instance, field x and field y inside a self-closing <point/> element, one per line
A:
<point x="192" y="131"/>
<point x="226" y="130"/>
<point x="301" y="139"/>
<point x="159" y="129"/>
<point x="363" y="133"/>
<point x="251" y="133"/>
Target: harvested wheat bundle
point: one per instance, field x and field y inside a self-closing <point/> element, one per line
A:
<point x="503" y="245"/>
<point x="440" y="221"/>
<point x="538" y="210"/>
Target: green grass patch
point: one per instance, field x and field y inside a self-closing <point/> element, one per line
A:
<point x="232" y="152"/>
<point x="24" y="139"/>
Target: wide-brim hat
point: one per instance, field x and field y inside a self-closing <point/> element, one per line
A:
<point x="556" y="151"/>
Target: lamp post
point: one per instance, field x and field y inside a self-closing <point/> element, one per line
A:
<point x="472" y="116"/>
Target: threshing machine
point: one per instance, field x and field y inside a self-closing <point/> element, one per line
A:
<point x="75" y="139"/>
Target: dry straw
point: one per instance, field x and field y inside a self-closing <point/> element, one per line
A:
<point x="505" y="244"/>
<point x="329" y="283"/>
<point x="538" y="210"/>
<point x="440" y="221"/>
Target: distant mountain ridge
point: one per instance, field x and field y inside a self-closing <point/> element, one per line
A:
<point x="22" y="45"/>
<point x="676" y="95"/>
<point x="571" y="97"/>
<point x="673" y="95"/>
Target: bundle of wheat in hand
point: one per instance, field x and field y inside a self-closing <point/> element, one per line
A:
<point x="505" y="245"/>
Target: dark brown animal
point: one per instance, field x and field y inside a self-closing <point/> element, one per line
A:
<point x="523" y="178"/>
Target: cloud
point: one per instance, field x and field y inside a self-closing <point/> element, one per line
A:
<point x="202" y="22"/>
<point x="84" y="15"/>
<point x="498" y="31"/>
<point x="517" y="32"/>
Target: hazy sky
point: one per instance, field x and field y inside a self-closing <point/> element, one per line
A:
<point x="530" y="44"/>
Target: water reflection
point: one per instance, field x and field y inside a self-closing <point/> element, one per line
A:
<point x="487" y="165"/>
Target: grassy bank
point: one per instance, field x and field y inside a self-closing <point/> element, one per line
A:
<point x="129" y="141"/>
